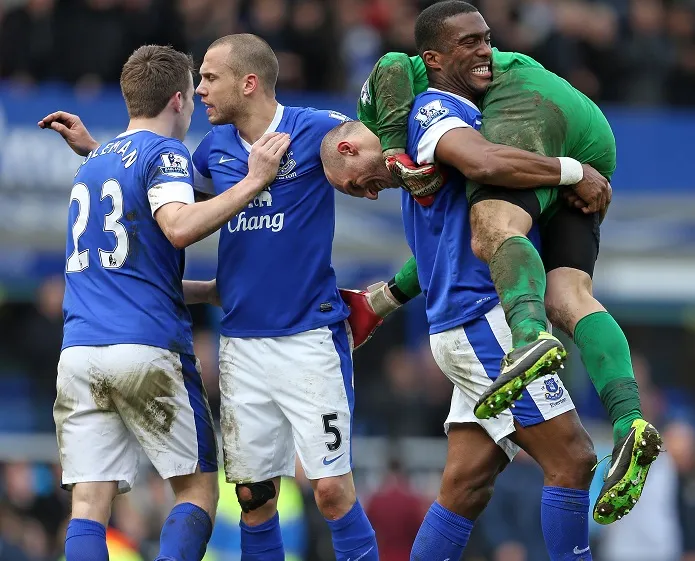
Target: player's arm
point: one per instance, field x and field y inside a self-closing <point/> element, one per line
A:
<point x="184" y="224"/>
<point x="391" y="88"/>
<point x="73" y="131"/>
<point x="369" y="308"/>
<point x="392" y="84"/>
<point x="201" y="292"/>
<point x="497" y="164"/>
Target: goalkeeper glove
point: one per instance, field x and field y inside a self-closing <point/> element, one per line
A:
<point x="367" y="310"/>
<point x="422" y="182"/>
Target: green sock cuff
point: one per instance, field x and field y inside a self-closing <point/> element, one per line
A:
<point x="620" y="397"/>
<point x="406" y="279"/>
<point x="587" y="324"/>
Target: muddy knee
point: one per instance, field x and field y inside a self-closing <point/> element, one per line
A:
<point x="485" y="238"/>
<point x="493" y="222"/>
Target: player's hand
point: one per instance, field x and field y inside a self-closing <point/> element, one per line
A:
<point x="420" y="181"/>
<point x="363" y="320"/>
<point x="594" y="190"/>
<point x="265" y="156"/>
<point x="70" y="127"/>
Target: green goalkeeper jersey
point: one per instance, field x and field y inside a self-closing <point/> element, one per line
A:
<point x="526" y="106"/>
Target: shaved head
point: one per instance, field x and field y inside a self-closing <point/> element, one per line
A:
<point x="330" y="156"/>
<point x="249" y="54"/>
<point x="353" y="162"/>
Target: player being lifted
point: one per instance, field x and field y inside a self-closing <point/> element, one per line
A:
<point x="468" y="334"/>
<point x="524" y="105"/>
<point x="127" y="374"/>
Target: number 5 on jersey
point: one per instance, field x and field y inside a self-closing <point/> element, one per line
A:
<point x="79" y="260"/>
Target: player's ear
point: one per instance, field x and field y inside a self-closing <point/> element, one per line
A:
<point x="346" y="148"/>
<point x="251" y="84"/>
<point x="177" y="102"/>
<point x="432" y="60"/>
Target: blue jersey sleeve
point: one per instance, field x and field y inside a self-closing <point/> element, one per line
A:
<point x="202" y="179"/>
<point x="435" y="113"/>
<point x="168" y="174"/>
<point x="321" y="121"/>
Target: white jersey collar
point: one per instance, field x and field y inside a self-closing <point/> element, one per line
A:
<point x="133" y="131"/>
<point x="272" y="127"/>
<point x="463" y="99"/>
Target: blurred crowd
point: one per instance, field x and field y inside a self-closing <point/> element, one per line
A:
<point x="637" y="52"/>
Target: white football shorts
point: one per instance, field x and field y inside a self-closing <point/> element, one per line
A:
<point x="281" y="394"/>
<point x="470" y="356"/>
<point x="113" y="400"/>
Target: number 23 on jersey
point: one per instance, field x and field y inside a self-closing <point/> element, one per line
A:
<point x="109" y="259"/>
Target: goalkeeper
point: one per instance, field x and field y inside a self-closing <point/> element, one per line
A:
<point x="529" y="107"/>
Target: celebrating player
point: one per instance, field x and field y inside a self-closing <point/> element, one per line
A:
<point x="468" y="335"/>
<point x="527" y="106"/>
<point x="127" y="373"/>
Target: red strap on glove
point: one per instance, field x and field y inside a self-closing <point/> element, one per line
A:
<point x="422" y="182"/>
<point x="362" y="319"/>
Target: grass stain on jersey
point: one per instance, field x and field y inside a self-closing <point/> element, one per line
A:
<point x="134" y="245"/>
<point x="139" y="398"/>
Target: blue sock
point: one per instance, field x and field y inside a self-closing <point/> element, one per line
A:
<point x="443" y="535"/>
<point x="185" y="534"/>
<point x="565" y="523"/>
<point x="85" y="540"/>
<point x="353" y="536"/>
<point x="262" y="543"/>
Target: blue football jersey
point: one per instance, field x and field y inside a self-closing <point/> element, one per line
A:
<point x="274" y="271"/>
<point x="123" y="276"/>
<point x="456" y="284"/>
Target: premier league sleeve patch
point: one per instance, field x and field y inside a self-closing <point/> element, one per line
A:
<point x="175" y="165"/>
<point x="431" y="113"/>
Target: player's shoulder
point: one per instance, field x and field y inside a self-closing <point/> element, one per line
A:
<point x="307" y="125"/>
<point x="434" y="105"/>
<point x="318" y="117"/>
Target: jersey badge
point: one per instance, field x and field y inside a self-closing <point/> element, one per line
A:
<point x="175" y="165"/>
<point x="431" y="113"/>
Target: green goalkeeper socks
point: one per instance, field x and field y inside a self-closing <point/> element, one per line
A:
<point x="606" y="356"/>
<point x="519" y="277"/>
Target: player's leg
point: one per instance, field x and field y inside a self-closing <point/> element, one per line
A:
<point x="477" y="355"/>
<point x="478" y="449"/>
<point x="500" y="222"/>
<point x="570" y="249"/>
<point x="161" y="399"/>
<point x="566" y="455"/>
<point x="97" y="454"/>
<point x="472" y="465"/>
<point x="315" y="391"/>
<point x="257" y="440"/>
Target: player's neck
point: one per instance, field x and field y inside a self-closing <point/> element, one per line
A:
<point x="454" y="87"/>
<point x="256" y="120"/>
<point x="162" y="127"/>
